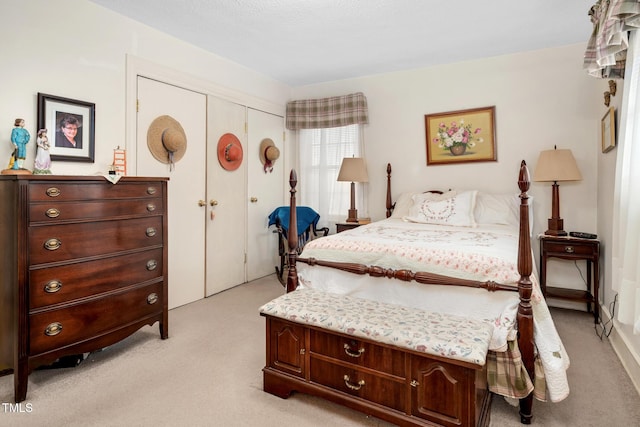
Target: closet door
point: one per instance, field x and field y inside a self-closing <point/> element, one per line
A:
<point x="186" y="187"/>
<point x="226" y="200"/>
<point x="266" y="192"/>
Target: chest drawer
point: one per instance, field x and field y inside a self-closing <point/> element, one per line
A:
<point x="67" y="191"/>
<point x="383" y="359"/>
<point x="51" y="329"/>
<point x="61" y="211"/>
<point x="569" y="248"/>
<point x="364" y="384"/>
<point x="68" y="282"/>
<point x="62" y="242"/>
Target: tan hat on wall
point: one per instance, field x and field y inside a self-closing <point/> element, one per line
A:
<point x="166" y="140"/>
<point x="269" y="153"/>
<point x="230" y="152"/>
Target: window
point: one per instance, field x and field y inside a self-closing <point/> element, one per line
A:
<point x="321" y="153"/>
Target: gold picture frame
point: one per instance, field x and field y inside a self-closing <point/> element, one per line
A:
<point x="461" y="136"/>
<point x="608" y="130"/>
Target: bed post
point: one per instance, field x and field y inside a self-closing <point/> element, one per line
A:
<point x="292" y="238"/>
<point x="525" y="312"/>
<point x="389" y="205"/>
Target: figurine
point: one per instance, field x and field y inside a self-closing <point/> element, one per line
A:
<point x="20" y="138"/>
<point x="43" y="159"/>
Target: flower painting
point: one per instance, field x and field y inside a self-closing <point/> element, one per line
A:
<point x="461" y="136"/>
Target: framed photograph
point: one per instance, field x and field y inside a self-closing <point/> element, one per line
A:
<point x="608" y="130"/>
<point x="70" y="127"/>
<point x="461" y="136"/>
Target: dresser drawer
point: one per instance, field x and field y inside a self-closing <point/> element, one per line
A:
<point x="62" y="242"/>
<point x="369" y="386"/>
<point x="61" y="191"/>
<point x="64" y="211"/>
<point x="383" y="359"/>
<point x="68" y="282"/>
<point x="569" y="248"/>
<point x="53" y="329"/>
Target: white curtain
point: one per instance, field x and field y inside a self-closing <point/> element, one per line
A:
<point x="321" y="152"/>
<point x="626" y="213"/>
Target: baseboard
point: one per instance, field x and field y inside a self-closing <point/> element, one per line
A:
<point x="628" y="357"/>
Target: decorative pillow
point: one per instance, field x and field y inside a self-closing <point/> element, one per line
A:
<point x="450" y="208"/>
<point x="403" y="204"/>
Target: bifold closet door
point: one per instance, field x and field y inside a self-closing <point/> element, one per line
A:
<point x="226" y="199"/>
<point x="186" y="187"/>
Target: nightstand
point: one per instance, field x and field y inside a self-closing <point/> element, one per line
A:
<point x="343" y="226"/>
<point x="573" y="249"/>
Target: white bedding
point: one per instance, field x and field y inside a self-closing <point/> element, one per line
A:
<point x="487" y="252"/>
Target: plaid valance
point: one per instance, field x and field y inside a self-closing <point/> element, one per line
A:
<point x="330" y="112"/>
<point x="606" y="52"/>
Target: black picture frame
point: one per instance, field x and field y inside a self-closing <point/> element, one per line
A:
<point x="52" y="110"/>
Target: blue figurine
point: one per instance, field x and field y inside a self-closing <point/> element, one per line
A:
<point x="20" y="138"/>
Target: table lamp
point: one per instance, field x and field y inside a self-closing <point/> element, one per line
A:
<point x="553" y="166"/>
<point x="353" y="169"/>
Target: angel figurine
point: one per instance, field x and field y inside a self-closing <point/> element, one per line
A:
<point x="42" y="164"/>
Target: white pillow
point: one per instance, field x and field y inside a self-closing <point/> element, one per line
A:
<point x="403" y="204"/>
<point x="450" y="208"/>
<point x="495" y="208"/>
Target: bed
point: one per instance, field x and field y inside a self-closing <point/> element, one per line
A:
<point x="459" y="253"/>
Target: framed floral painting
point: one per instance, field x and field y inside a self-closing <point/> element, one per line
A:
<point x="461" y="136"/>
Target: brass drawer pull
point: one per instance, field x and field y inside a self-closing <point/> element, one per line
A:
<point x="53" y="286"/>
<point x="151" y="207"/>
<point x="351" y="385"/>
<point x="569" y="249"/>
<point x="53" y="329"/>
<point x="152" y="264"/>
<point x="347" y="349"/>
<point x="52" y="244"/>
<point x="151" y="190"/>
<point x="151" y="231"/>
<point x="152" y="298"/>
<point x="52" y="213"/>
<point x="53" y="192"/>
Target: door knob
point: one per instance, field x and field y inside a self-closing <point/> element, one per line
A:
<point x="202" y="203"/>
<point x="213" y="202"/>
<point x="254" y="199"/>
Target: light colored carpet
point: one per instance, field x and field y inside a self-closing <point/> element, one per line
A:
<point x="208" y="373"/>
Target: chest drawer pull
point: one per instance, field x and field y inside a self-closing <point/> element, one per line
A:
<point x="352" y="386"/>
<point x="53" y="329"/>
<point x="151" y="232"/>
<point x="52" y="213"/>
<point x="569" y="249"/>
<point x="151" y="190"/>
<point x="151" y="207"/>
<point x="53" y="192"/>
<point x="53" y="286"/>
<point x="52" y="244"/>
<point x="152" y="298"/>
<point x="152" y="264"/>
<point x="350" y="352"/>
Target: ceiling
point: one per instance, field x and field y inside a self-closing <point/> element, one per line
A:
<point x="301" y="42"/>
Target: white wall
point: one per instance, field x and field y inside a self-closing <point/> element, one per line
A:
<point x="542" y="99"/>
<point x="77" y="49"/>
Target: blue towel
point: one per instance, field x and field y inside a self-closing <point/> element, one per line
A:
<point x="305" y="216"/>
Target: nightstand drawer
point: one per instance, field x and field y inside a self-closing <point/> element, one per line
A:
<point x="569" y="248"/>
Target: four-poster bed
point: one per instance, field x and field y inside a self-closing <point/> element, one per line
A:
<point x="320" y="336"/>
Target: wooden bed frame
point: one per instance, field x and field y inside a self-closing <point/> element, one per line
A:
<point x="524" y="287"/>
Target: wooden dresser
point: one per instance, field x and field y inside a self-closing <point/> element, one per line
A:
<point x="84" y="265"/>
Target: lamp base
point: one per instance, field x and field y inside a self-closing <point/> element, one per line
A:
<point x="353" y="215"/>
<point x="556" y="226"/>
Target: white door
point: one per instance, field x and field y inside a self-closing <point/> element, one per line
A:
<point x="266" y="192"/>
<point x="186" y="187"/>
<point x="226" y="198"/>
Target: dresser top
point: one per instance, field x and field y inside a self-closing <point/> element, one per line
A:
<point x="75" y="178"/>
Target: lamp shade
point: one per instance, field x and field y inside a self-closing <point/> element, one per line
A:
<point x="353" y="169"/>
<point x="556" y="165"/>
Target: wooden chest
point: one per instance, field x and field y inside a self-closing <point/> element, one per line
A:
<point x="84" y="265"/>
